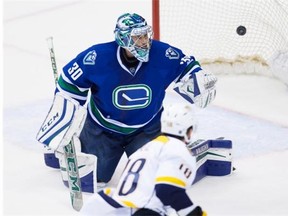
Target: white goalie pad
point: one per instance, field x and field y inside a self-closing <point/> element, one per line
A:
<point x="65" y="118"/>
<point x="87" y="167"/>
<point x="214" y="157"/>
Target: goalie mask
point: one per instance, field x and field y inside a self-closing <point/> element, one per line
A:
<point x="133" y="33"/>
<point x="178" y="120"/>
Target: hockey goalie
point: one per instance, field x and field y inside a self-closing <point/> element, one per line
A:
<point x="65" y="120"/>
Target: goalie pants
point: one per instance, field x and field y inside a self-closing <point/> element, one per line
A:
<point x="109" y="147"/>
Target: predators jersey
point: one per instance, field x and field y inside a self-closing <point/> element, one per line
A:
<point x="165" y="160"/>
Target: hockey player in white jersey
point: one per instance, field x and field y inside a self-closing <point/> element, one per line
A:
<point x="156" y="177"/>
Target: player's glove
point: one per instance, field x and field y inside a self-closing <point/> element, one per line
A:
<point x="192" y="211"/>
<point x="197" y="212"/>
<point x="146" y="212"/>
<point x="198" y="88"/>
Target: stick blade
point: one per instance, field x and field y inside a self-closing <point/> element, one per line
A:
<point x="77" y="202"/>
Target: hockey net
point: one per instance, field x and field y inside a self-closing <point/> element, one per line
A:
<point x="228" y="36"/>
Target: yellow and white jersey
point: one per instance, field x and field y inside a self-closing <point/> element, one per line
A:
<point x="165" y="160"/>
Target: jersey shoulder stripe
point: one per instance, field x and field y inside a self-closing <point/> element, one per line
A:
<point x="163" y="139"/>
<point x="128" y="204"/>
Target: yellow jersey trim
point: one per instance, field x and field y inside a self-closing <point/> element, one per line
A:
<point x="128" y="204"/>
<point x="171" y="180"/>
<point x="162" y="138"/>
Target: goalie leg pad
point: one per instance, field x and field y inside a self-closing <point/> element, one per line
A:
<point x="218" y="168"/>
<point x="50" y="159"/>
<point x="87" y="171"/>
<point x="87" y="166"/>
<point x="213" y="158"/>
<point x="219" y="162"/>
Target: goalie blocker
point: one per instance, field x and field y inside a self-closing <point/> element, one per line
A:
<point x="65" y="119"/>
<point x="62" y="125"/>
<point x="57" y="123"/>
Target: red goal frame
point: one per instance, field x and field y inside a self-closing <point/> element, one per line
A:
<point x="156" y="19"/>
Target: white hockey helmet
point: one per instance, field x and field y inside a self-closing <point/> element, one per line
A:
<point x="177" y="120"/>
<point x="130" y="26"/>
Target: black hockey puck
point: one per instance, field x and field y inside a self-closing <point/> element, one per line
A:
<point x="241" y="30"/>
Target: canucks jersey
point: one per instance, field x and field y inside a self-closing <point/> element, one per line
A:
<point x="124" y="99"/>
<point x="155" y="163"/>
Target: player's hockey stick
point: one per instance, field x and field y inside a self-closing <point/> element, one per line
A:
<point x="69" y="150"/>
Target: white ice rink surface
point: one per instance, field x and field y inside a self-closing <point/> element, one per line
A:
<point x="251" y="111"/>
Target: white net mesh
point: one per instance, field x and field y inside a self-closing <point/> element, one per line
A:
<point x="230" y="36"/>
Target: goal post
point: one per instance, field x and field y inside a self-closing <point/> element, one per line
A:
<point x="228" y="36"/>
<point x="156" y="19"/>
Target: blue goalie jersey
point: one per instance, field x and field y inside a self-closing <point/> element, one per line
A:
<point x="123" y="100"/>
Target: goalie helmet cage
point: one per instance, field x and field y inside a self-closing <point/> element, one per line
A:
<point x="227" y="36"/>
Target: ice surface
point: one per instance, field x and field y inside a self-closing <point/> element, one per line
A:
<point x="251" y="111"/>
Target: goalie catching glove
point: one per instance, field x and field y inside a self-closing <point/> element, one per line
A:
<point x="198" y="88"/>
<point x="65" y="119"/>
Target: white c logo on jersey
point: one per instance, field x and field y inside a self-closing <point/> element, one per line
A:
<point x="128" y="97"/>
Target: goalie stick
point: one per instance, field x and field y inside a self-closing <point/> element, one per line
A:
<point x="69" y="150"/>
